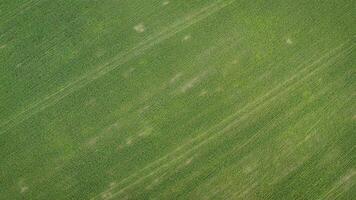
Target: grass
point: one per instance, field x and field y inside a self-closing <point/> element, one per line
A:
<point x="203" y="99"/>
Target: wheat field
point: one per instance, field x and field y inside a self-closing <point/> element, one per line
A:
<point x="177" y="99"/>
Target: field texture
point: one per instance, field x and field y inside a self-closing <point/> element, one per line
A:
<point x="177" y="99"/>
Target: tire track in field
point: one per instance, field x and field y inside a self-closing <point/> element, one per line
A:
<point x="121" y="59"/>
<point x="143" y="99"/>
<point x="260" y="101"/>
<point x="238" y="112"/>
<point x="309" y="135"/>
<point x="275" y="123"/>
<point x="347" y="178"/>
<point x="253" y="138"/>
<point x="308" y="132"/>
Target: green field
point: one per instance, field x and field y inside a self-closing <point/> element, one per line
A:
<point x="177" y="99"/>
